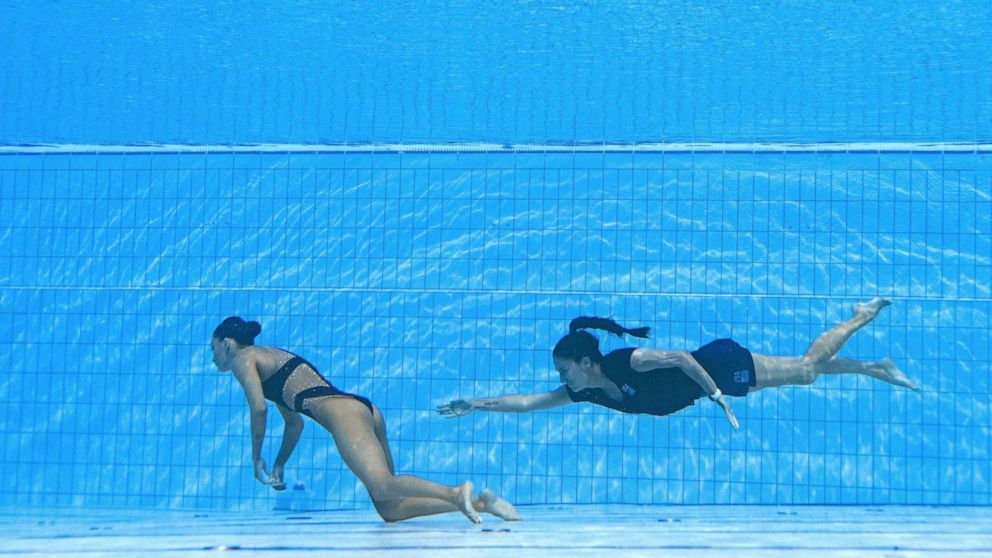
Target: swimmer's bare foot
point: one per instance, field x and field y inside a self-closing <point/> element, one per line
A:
<point x="463" y="496"/>
<point x="497" y="506"/>
<point x="870" y="309"/>
<point x="890" y="373"/>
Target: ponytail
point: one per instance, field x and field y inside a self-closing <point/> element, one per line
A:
<point x="606" y="324"/>
<point x="579" y="343"/>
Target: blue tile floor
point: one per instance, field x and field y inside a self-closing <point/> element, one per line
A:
<point x="547" y="531"/>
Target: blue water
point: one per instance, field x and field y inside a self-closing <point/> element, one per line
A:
<point x="514" y="72"/>
<point x="418" y="277"/>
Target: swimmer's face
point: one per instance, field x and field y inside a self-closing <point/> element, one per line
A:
<point x="222" y="352"/>
<point x="577" y="375"/>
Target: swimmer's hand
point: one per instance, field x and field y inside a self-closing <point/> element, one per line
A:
<point x="730" y="414"/>
<point x="275" y="479"/>
<point x="262" y="472"/>
<point x="455" y="409"/>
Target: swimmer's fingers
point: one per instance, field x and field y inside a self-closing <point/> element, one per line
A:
<point x="455" y="409"/>
<point x="450" y="413"/>
<point x="275" y="482"/>
<point x="275" y="479"/>
<point x="730" y="414"/>
<point x="261" y="472"/>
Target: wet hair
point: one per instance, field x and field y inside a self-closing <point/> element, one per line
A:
<point x="579" y="343"/>
<point x="241" y="331"/>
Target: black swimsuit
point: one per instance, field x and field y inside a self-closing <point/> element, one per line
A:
<point x="297" y="384"/>
<point x="664" y="391"/>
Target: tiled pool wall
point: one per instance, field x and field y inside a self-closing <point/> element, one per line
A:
<point x="418" y="278"/>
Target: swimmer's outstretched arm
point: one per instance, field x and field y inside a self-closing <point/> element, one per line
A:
<point x="643" y="360"/>
<point x="507" y="403"/>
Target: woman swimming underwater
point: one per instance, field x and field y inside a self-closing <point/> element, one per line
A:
<point x="357" y="426"/>
<point x="663" y="382"/>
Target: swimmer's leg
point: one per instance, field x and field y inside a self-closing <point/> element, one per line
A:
<point x="884" y="370"/>
<point x="405" y="508"/>
<point x="772" y="371"/>
<point x="820" y="357"/>
<point x="379" y="427"/>
<point x="352" y="427"/>
<point x="829" y="343"/>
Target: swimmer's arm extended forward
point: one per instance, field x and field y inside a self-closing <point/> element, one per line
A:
<point x="644" y="360"/>
<point x="507" y="403"/>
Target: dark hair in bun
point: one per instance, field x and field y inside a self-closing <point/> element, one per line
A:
<point x="241" y="331"/>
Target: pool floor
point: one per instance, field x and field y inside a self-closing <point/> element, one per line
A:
<point x="547" y="531"/>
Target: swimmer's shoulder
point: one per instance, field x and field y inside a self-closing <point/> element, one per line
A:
<point x="266" y="360"/>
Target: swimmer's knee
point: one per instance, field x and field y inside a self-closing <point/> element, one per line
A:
<point x="380" y="488"/>
<point x="813" y="355"/>
<point x="386" y="510"/>
<point x="807" y="372"/>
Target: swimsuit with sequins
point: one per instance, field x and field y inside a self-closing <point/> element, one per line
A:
<point x="297" y="384"/>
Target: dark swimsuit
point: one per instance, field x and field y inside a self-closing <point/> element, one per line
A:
<point x="664" y="391"/>
<point x="297" y="384"/>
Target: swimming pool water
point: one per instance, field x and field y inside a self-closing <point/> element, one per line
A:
<point x="503" y="72"/>
<point x="418" y="278"/>
<point x="829" y="154"/>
